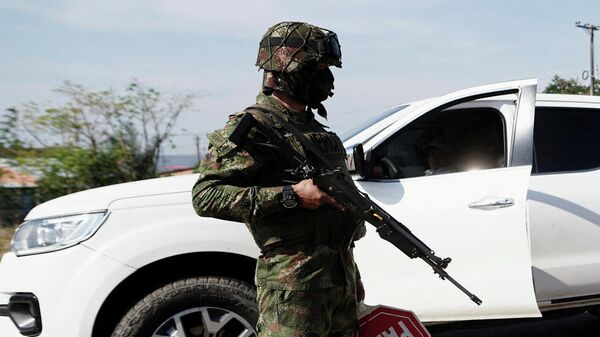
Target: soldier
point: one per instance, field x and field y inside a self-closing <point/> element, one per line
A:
<point x="307" y="281"/>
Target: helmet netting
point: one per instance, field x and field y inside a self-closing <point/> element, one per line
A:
<point x="283" y="58"/>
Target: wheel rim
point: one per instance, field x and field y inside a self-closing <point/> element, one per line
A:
<point x="205" y="322"/>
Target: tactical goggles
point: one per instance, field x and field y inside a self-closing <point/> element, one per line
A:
<point x="328" y="47"/>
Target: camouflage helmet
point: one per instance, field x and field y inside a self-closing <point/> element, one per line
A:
<point x="295" y="46"/>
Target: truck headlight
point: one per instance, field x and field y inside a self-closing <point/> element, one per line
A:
<point x="50" y="234"/>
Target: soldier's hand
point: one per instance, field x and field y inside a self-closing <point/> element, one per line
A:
<point x="311" y="197"/>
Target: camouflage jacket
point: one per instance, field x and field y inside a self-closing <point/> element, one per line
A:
<point x="238" y="183"/>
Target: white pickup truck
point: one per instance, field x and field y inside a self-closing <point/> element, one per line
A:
<point x="511" y="198"/>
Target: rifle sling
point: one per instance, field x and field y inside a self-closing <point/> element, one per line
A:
<point x="306" y="143"/>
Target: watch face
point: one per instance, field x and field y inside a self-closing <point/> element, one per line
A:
<point x="288" y="197"/>
<point x="290" y="203"/>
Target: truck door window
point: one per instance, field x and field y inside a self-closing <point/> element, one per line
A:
<point x="566" y="139"/>
<point x="442" y="142"/>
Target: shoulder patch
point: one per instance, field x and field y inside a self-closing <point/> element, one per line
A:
<point x="219" y="139"/>
<point x="220" y="144"/>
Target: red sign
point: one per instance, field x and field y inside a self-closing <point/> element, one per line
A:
<point x="390" y="322"/>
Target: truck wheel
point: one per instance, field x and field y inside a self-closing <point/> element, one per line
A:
<point x="198" y="306"/>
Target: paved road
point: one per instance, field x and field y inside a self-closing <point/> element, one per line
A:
<point x="582" y="325"/>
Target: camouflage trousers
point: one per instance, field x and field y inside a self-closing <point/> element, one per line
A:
<point x="311" y="313"/>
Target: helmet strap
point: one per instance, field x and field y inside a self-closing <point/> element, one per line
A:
<point x="321" y="110"/>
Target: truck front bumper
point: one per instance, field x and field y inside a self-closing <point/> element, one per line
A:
<point x="24" y="311"/>
<point x="55" y="294"/>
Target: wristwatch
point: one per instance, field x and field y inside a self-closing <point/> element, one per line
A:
<point x="288" y="197"/>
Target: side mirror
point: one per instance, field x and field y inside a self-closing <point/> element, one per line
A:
<point x="358" y="155"/>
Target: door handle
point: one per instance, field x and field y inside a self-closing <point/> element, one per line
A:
<point x="492" y="203"/>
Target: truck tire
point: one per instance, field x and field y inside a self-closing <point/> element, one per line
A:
<point x="219" y="306"/>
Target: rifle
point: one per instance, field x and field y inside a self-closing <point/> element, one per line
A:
<point x="334" y="182"/>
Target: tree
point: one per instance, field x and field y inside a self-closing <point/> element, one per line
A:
<point x="9" y="139"/>
<point x="571" y="86"/>
<point x="94" y="138"/>
<point x="13" y="201"/>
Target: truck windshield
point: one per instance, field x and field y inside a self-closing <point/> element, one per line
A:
<point x="373" y="120"/>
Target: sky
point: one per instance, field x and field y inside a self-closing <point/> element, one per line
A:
<point x="393" y="51"/>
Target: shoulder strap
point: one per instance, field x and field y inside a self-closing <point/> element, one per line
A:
<point x="259" y="118"/>
<point x="261" y="114"/>
<point x="306" y="143"/>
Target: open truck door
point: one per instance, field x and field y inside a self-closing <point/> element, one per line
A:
<point x="455" y="171"/>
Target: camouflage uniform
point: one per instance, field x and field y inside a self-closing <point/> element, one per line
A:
<point x="306" y="280"/>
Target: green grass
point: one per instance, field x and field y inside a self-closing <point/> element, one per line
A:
<point x="6" y="234"/>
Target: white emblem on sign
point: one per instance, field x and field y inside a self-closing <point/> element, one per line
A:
<point x="391" y="332"/>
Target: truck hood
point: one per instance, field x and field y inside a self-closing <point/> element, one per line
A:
<point x="100" y="198"/>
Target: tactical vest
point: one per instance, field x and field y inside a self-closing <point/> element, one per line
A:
<point x="297" y="228"/>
